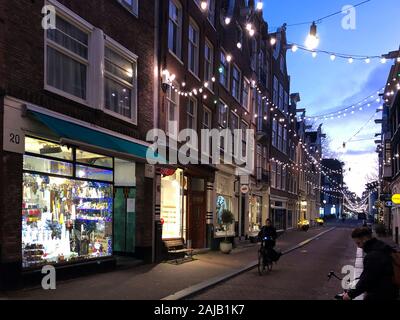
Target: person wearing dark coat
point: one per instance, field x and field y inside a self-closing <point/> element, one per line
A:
<point x="376" y="280"/>
<point x="269" y="231"/>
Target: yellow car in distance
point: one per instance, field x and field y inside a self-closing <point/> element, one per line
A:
<point x="320" y="221"/>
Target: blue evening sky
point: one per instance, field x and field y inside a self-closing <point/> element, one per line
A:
<point x="326" y="85"/>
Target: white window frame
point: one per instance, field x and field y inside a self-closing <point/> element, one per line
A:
<point x="125" y="53"/>
<point x="275" y="133"/>
<point x="273" y="174"/>
<point x="223" y="52"/>
<point x="281" y="102"/>
<point x="196" y="47"/>
<point x="221" y="102"/>
<point x="246" y="104"/>
<point x="211" y="12"/>
<point x="203" y="124"/>
<point x="179" y="25"/>
<point x="169" y="100"/>
<point x="235" y="67"/>
<point x="244" y="126"/>
<point x="132" y="8"/>
<point x="194" y="115"/>
<point x="209" y="65"/>
<point x="275" y="98"/>
<point x="85" y="27"/>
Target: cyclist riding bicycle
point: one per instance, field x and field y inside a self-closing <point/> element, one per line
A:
<point x="268" y="236"/>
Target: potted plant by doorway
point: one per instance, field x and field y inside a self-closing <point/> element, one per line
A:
<point x="227" y="218"/>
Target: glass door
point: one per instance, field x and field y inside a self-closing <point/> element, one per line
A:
<point x="124" y="220"/>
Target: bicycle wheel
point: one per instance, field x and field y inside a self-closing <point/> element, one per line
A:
<point x="261" y="266"/>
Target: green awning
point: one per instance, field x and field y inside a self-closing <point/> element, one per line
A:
<point x="75" y="132"/>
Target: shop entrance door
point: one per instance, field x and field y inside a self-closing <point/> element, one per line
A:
<point x="124" y="221"/>
<point x="197" y="220"/>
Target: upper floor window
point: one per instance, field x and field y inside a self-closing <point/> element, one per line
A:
<point x="285" y="140"/>
<point x="280" y="137"/>
<point x="206" y="119"/>
<point x="193" y="60"/>
<point x="286" y="102"/>
<point x="211" y="12"/>
<point x="253" y="54"/>
<point x="280" y="97"/>
<point x="245" y="94"/>
<point x="120" y="72"/>
<point x="236" y="78"/>
<point x="131" y="5"/>
<point x="276" y="91"/>
<point x="172" y="118"/>
<point x="175" y="28"/>
<point x="274" y="132"/>
<point x="239" y="37"/>
<point x="208" y="62"/>
<point x="224" y="70"/>
<point x="222" y="115"/>
<point x="191" y="113"/>
<point x="67" y="59"/>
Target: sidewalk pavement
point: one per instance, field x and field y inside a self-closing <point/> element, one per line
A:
<point x="155" y="282"/>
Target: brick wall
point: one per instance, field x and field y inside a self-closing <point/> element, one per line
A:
<point x="22" y="76"/>
<point x="24" y="47"/>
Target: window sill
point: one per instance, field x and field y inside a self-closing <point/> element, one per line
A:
<point x="133" y="13"/>
<point x="66" y="95"/>
<point x="194" y="75"/>
<point x="121" y="117"/>
<point x="175" y="56"/>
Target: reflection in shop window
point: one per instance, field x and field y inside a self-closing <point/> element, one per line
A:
<point x="47" y="166"/>
<point x="223" y="203"/>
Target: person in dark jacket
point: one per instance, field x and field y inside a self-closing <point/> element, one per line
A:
<point x="268" y="236"/>
<point x="376" y="280"/>
<point x="268" y="231"/>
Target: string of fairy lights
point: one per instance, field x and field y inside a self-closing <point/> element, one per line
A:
<point x="311" y="45"/>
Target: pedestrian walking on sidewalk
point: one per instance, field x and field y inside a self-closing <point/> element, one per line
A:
<point x="376" y="280"/>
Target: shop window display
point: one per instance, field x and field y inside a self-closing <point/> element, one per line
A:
<point x="172" y="206"/>
<point x="255" y="214"/>
<point x="67" y="208"/>
<point x="223" y="203"/>
<point x="65" y="219"/>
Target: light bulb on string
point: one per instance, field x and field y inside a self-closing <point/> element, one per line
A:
<point x="312" y="40"/>
<point x="259" y="5"/>
<point x="204" y="5"/>
<point x="314" y="54"/>
<point x="295" y="48"/>
<point x="227" y="20"/>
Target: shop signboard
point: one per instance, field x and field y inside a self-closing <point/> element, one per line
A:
<point x="244" y="189"/>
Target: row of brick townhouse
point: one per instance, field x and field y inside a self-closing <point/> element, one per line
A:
<point x="80" y="182"/>
<point x="388" y="149"/>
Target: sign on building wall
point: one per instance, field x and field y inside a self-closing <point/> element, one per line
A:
<point x="13" y="140"/>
